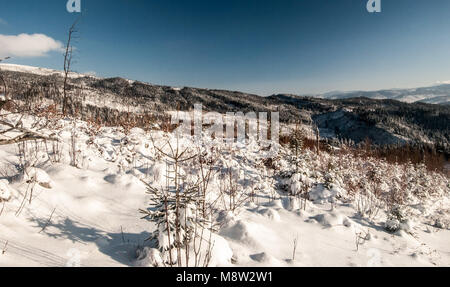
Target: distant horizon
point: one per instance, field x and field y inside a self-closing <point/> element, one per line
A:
<point x="231" y="90"/>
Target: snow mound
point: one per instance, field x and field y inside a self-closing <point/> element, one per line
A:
<point x="331" y="219"/>
<point x="270" y="213"/>
<point x="149" y="257"/>
<point x="241" y="231"/>
<point x="37" y="175"/>
<point x="321" y="194"/>
<point x="265" y="258"/>
<point x="251" y="205"/>
<point x="221" y="252"/>
<point x="5" y="190"/>
<point x="127" y="180"/>
<point x="275" y="204"/>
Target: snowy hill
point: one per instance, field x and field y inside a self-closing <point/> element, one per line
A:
<point x="76" y="202"/>
<point x="111" y="100"/>
<point x="438" y="94"/>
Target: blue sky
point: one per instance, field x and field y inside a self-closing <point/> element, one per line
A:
<point x="258" y="46"/>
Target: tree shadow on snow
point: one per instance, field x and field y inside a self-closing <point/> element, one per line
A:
<point x="120" y="246"/>
<point x="367" y="223"/>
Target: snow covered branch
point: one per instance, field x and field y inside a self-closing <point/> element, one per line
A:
<point x="24" y="134"/>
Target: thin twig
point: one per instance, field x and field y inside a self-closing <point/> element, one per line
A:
<point x="3" y="207"/>
<point x="48" y="221"/>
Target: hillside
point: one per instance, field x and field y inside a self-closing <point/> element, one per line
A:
<point x="110" y="100"/>
<point x="80" y="201"/>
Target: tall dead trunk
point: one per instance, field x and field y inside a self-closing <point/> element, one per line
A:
<point x="67" y="65"/>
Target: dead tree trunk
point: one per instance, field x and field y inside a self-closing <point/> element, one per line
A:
<point x="318" y="140"/>
<point x="67" y="65"/>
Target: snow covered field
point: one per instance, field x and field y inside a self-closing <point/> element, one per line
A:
<point x="80" y="202"/>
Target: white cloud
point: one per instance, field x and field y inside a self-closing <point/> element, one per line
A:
<point x="27" y="45"/>
<point x="443" y="82"/>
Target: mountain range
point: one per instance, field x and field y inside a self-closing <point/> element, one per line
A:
<point x="385" y="117"/>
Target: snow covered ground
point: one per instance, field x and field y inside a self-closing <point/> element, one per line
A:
<point x="66" y="206"/>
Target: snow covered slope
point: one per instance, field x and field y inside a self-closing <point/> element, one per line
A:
<point x="84" y="211"/>
<point x="113" y="99"/>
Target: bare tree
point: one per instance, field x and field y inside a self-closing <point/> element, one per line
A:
<point x="68" y="56"/>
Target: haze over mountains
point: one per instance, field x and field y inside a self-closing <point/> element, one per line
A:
<point x="439" y="94"/>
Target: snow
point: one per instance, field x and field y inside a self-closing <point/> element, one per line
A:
<point x="40" y="71"/>
<point x="431" y="95"/>
<point x="149" y="257"/>
<point x="321" y="194"/>
<point x="56" y="214"/>
<point x="37" y="175"/>
<point x="5" y="190"/>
